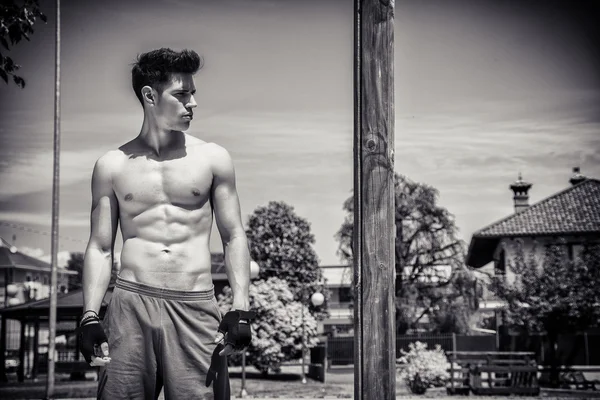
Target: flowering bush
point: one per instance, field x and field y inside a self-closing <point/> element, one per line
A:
<point x="422" y="368"/>
<point x="277" y="328"/>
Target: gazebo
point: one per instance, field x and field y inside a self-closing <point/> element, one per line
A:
<point x="16" y="267"/>
<point x="69" y="307"/>
<point x="36" y="314"/>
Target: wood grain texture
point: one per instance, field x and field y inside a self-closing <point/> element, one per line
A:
<point x="374" y="223"/>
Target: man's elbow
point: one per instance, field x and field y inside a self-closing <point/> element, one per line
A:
<point x="237" y="236"/>
<point x="100" y="248"/>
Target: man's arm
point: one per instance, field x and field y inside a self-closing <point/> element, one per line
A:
<point x="98" y="260"/>
<point x="229" y="222"/>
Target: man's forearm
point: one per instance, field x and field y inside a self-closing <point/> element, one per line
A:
<point x="237" y="267"/>
<point x="97" y="268"/>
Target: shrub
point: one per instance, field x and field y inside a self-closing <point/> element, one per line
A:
<point x="277" y="329"/>
<point x="422" y="368"/>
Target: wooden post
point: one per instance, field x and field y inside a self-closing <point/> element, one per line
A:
<point x="6" y="278"/>
<point x="374" y="216"/>
<point x="454" y="349"/>
<point x="21" y="369"/>
<point x="36" y="350"/>
<point x="77" y="340"/>
<point x="3" y="349"/>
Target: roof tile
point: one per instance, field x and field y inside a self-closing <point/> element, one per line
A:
<point x="573" y="210"/>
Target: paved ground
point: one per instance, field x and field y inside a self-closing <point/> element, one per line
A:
<point x="436" y="395"/>
<point x="339" y="384"/>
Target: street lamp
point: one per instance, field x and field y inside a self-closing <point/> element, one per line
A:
<point x="316" y="299"/>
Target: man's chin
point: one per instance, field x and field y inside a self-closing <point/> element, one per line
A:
<point x="182" y="127"/>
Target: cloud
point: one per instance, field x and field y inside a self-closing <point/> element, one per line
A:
<point x="44" y="218"/>
<point x="35" y="253"/>
<point x="482" y="145"/>
<point x="62" y="256"/>
<point x="35" y="173"/>
<point x="28" y="157"/>
<point x="305" y="158"/>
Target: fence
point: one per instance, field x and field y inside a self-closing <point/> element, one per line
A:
<point x="574" y="349"/>
<point x="340" y="350"/>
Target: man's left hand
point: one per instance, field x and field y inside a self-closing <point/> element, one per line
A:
<point x="235" y="331"/>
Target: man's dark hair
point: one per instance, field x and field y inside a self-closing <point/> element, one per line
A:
<point x="155" y="67"/>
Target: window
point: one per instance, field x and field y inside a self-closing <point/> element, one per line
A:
<point x="500" y="267"/>
<point x="345" y="294"/>
<point x="573" y="251"/>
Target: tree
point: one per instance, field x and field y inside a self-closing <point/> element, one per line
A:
<point x="552" y="296"/>
<point x="75" y="263"/>
<point x="281" y="243"/>
<point x="431" y="277"/>
<point x="277" y="329"/>
<point x="16" y="23"/>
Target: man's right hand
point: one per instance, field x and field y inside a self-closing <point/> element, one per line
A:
<point x="92" y="337"/>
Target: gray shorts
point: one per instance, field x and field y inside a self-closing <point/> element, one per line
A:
<point x="161" y="338"/>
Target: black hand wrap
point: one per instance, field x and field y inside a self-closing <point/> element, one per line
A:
<point x="218" y="375"/>
<point x="91" y="336"/>
<point x="236" y="328"/>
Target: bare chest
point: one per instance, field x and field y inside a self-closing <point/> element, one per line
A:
<point x="144" y="183"/>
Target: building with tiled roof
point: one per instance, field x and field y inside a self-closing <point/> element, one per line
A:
<point x="572" y="214"/>
<point x="24" y="278"/>
<point x="570" y="217"/>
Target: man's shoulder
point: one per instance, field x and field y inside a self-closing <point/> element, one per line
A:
<point x="207" y="149"/>
<point x="109" y="159"/>
<point x="215" y="150"/>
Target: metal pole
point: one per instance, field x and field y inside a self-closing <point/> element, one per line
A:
<point x="587" y="348"/>
<point x="55" y="196"/>
<point x="303" y="334"/>
<point x="243" y="392"/>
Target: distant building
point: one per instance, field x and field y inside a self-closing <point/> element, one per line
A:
<point x="571" y="216"/>
<point x="338" y="279"/>
<point x="24" y="278"/>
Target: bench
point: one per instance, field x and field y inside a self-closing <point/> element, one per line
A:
<point x="493" y="373"/>
<point x="505" y="380"/>
<point x="579" y="380"/>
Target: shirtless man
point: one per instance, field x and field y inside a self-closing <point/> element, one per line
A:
<point x="163" y="326"/>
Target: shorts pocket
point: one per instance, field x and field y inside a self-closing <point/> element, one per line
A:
<point x="215" y="305"/>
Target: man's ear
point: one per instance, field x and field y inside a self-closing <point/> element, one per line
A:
<point x="148" y="95"/>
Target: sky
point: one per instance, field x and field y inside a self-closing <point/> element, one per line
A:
<point x="483" y="90"/>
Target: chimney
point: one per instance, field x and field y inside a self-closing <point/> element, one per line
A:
<point x="521" y="197"/>
<point x="577" y="177"/>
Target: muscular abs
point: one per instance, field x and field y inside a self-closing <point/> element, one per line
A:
<point x="166" y="218"/>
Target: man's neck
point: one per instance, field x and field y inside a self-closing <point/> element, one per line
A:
<point x="157" y="139"/>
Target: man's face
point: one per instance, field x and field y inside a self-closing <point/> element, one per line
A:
<point x="175" y="104"/>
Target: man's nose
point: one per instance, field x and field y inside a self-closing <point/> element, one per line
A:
<point x="192" y="103"/>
